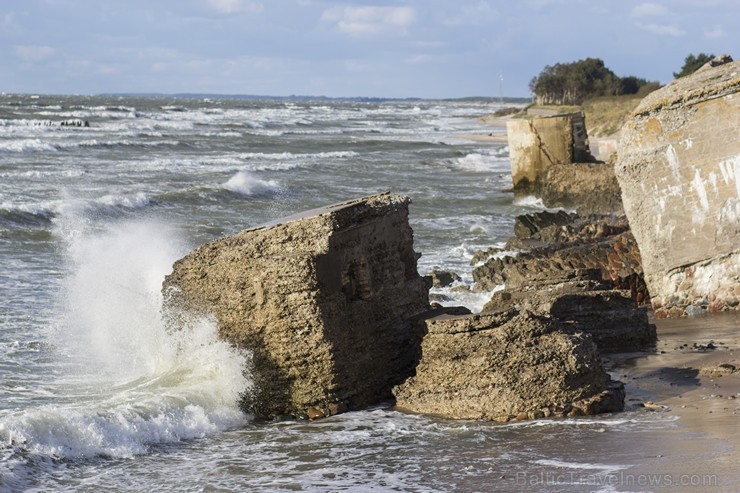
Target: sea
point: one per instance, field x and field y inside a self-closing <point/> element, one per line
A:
<point x="100" y="195"/>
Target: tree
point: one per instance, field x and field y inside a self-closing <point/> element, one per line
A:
<point x="576" y="82"/>
<point x="692" y="64"/>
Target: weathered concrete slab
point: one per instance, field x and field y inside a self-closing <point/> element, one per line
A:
<point x="536" y="144"/>
<point x="679" y="170"/>
<point x="324" y="300"/>
<point x="507" y="365"/>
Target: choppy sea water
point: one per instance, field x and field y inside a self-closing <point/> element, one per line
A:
<point x="96" y="395"/>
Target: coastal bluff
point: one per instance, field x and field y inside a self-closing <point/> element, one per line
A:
<point x="679" y="170"/>
<point x="324" y="300"/>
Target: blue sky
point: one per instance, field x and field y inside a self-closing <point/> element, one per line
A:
<point x="384" y="48"/>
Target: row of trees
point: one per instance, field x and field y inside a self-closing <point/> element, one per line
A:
<point x="576" y="82"/>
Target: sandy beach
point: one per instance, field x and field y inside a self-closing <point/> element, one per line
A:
<point x="694" y="375"/>
<point x="496" y="134"/>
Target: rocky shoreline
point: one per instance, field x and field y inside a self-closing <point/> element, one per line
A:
<point x="331" y="307"/>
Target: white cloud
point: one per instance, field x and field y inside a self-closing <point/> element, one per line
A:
<point x="234" y="6"/>
<point x="649" y="10"/>
<point x="662" y="29"/>
<point x="33" y="53"/>
<point x="369" y="19"/>
<point x="717" y="32"/>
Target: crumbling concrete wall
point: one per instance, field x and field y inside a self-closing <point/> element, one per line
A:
<point x="507" y="365"/>
<point x="324" y="301"/>
<point x="678" y="167"/>
<point x="536" y="144"/>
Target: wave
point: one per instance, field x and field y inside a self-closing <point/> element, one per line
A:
<point x="245" y="183"/>
<point x="39" y="145"/>
<point x="28" y="145"/>
<point x="530" y="201"/>
<point x="125" y="382"/>
<point x="44" y="213"/>
<point x="481" y="162"/>
<point x="25" y="215"/>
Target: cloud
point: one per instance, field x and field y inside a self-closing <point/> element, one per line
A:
<point x="717" y="32"/>
<point x="33" y="53"/>
<point x="662" y="29"/>
<point x="234" y="6"/>
<point x="649" y="10"/>
<point x="370" y="20"/>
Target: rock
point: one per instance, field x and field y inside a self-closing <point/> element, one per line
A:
<point x="678" y="170"/>
<point x="504" y="365"/>
<point x="587" y="276"/>
<point x="598" y="242"/>
<point x="720" y="60"/>
<point x="611" y="317"/>
<point x="324" y="300"/>
<point x="719" y="370"/>
<point x="483" y="255"/>
<point x="529" y="226"/>
<point x="313" y="413"/>
<point x="590" y="188"/>
<point x="443" y="278"/>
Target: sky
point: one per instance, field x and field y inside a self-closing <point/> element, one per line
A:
<point x="373" y="48"/>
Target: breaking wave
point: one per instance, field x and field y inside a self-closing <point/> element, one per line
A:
<point x="125" y="382"/>
<point x="246" y="183"/>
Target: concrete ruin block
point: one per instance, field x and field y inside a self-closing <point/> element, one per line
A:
<point x="536" y="144"/>
<point x="324" y="301"/>
<point x="589" y="188"/>
<point x="507" y="365"/>
<point x="679" y="170"/>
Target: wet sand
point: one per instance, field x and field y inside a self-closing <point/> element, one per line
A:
<point x="694" y="375"/>
<point x="495" y="134"/>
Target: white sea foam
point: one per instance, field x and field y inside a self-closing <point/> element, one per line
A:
<point x="126" y="382"/>
<point x="246" y="183"/>
<point x="479" y="162"/>
<point x="530" y="201"/>
<point x="27" y="145"/>
<point x="581" y="466"/>
<point x="136" y="201"/>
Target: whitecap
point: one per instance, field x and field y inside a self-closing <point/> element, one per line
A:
<point x="245" y="183"/>
<point x="28" y="145"/>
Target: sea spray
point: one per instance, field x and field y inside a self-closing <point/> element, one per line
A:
<point x="246" y="183"/>
<point x="125" y="382"/>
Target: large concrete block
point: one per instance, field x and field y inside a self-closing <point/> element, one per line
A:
<point x="324" y="301"/>
<point x="507" y="365"/>
<point x="536" y="144"/>
<point x="678" y="167"/>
